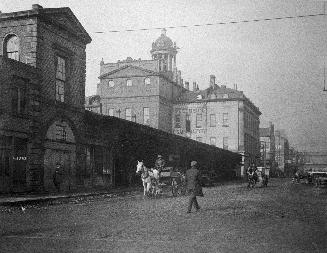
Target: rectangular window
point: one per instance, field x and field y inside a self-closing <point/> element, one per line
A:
<point x="188" y="123"/>
<point x="199" y="139"/>
<point x="128" y="114"/>
<point x="198" y="120"/>
<point x="146" y="116"/>
<point x="61" y="132"/>
<point x="225" y="119"/>
<point x="110" y="111"/>
<point x="213" y="141"/>
<point x="60" y="79"/>
<point x="177" y="121"/>
<point x="212" y="120"/>
<point x="225" y="142"/>
<point x="18" y="101"/>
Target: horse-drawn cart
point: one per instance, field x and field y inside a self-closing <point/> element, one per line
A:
<point x="169" y="179"/>
<point x="174" y="180"/>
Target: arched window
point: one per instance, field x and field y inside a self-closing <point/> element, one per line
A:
<point x="12" y="47"/>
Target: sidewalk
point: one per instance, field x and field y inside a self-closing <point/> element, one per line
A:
<point x="7" y="200"/>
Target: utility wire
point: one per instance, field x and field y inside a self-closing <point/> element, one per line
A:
<point x="217" y="23"/>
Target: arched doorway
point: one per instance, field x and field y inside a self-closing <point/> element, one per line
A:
<point x="60" y="148"/>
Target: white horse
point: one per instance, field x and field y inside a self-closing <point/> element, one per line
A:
<point x="147" y="176"/>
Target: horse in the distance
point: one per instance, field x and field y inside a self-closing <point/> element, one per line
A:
<point x="149" y="178"/>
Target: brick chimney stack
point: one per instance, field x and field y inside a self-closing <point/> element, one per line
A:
<point x="194" y="86"/>
<point x="212" y="81"/>
<point x="36" y="7"/>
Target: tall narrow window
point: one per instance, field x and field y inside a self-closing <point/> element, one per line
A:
<point x="18" y="101"/>
<point x="188" y="123"/>
<point x="12" y="48"/>
<point x="225" y="142"/>
<point x="213" y="141"/>
<point x="146" y="116"/>
<point x="212" y="120"/>
<point x="60" y="79"/>
<point x="147" y="81"/>
<point x="198" y="120"/>
<point x="110" y="111"/>
<point x="177" y="121"/>
<point x="128" y="114"/>
<point x="129" y="82"/>
<point x="225" y="119"/>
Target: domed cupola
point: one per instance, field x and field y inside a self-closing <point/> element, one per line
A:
<point x="164" y="50"/>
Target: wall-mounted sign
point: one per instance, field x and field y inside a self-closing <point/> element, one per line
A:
<point x="190" y="110"/>
<point x="193" y="131"/>
<point x="19" y="158"/>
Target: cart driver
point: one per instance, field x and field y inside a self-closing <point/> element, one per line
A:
<point x="160" y="163"/>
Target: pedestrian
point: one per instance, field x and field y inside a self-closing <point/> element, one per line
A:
<point x="193" y="186"/>
<point x="57" y="177"/>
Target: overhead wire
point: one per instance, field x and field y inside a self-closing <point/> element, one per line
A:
<point x="216" y="23"/>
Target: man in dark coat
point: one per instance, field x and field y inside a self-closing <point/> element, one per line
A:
<point x="57" y="179"/>
<point x="193" y="186"/>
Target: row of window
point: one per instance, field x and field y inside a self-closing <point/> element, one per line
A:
<point x="129" y="82"/>
<point x="198" y="120"/>
<point x="213" y="141"/>
<point x="128" y="114"/>
<point x="250" y="122"/>
<point x="11" y="50"/>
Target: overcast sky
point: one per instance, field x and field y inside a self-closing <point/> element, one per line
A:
<point x="278" y="64"/>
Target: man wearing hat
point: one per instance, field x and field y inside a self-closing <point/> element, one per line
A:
<point x="160" y="163"/>
<point x="193" y="186"/>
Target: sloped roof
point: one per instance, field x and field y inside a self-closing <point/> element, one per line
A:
<point x="63" y="17"/>
<point x="147" y="71"/>
<point x="218" y="92"/>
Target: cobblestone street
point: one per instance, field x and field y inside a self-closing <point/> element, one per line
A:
<point x="283" y="217"/>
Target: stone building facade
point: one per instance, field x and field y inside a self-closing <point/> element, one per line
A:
<point x="43" y="55"/>
<point x="43" y="122"/>
<point x="142" y="91"/>
<point x="152" y="92"/>
<point x="221" y="117"/>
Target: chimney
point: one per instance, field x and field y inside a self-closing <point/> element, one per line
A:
<point x="187" y="85"/>
<point x="194" y="86"/>
<point x="179" y="77"/>
<point x="212" y="81"/>
<point x="36" y="7"/>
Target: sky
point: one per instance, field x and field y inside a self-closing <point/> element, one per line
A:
<point x="278" y="64"/>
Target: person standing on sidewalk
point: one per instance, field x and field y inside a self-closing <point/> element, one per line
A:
<point x="57" y="177"/>
<point x="193" y="186"/>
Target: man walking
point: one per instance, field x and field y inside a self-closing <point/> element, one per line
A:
<point x="193" y="186"/>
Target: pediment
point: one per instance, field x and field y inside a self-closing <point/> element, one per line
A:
<point x="66" y="19"/>
<point x="128" y="71"/>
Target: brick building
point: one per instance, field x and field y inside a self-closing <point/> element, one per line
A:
<point x="221" y="117"/>
<point x="268" y="147"/>
<point x="282" y="151"/>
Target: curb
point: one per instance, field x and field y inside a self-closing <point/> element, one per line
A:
<point x="34" y="200"/>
